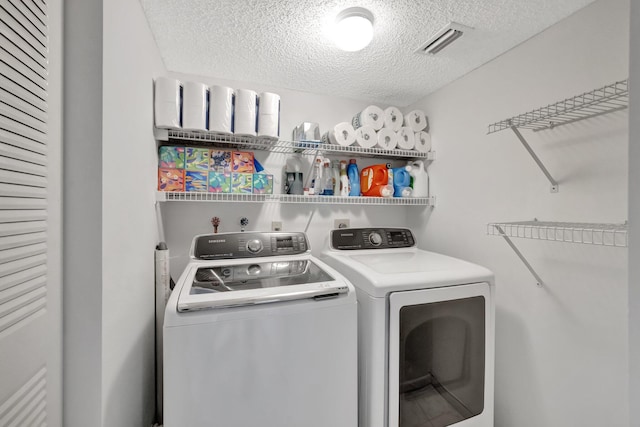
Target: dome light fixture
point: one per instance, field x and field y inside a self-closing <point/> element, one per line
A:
<point x="353" y="29"/>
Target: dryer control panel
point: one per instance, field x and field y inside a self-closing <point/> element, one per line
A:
<point x="371" y="238"/>
<point x="249" y="244"/>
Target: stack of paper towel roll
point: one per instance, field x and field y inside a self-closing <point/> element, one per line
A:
<point x="389" y="129"/>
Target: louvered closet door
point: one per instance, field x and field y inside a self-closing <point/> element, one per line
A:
<point x="29" y="318"/>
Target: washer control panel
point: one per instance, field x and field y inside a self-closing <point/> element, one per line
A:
<point x="249" y="244"/>
<point x="371" y="238"/>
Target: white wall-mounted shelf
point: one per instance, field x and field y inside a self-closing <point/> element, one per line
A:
<point x="179" y="196"/>
<point x="310" y="148"/>
<point x="601" y="234"/>
<point x="607" y="99"/>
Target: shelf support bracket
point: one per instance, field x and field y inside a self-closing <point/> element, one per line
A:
<point x="554" y="183"/>
<point x="506" y="238"/>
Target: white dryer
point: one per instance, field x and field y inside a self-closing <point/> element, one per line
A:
<point x="425" y="331"/>
<point x="258" y="332"/>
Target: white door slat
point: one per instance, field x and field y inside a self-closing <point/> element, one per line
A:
<point x="22" y="216"/>
<point x="23" y="168"/>
<point x="20" y="129"/>
<point x="42" y="5"/>
<point x="22" y="300"/>
<point x="29" y="310"/>
<point x="23" y="81"/>
<point x="10" y="242"/>
<point x="22" y="178"/>
<point x="22" y="264"/>
<point x="37" y="382"/>
<point x="17" y="26"/>
<point x="20" y="104"/>
<point x="22" y="203"/>
<point x="23" y="70"/>
<point x="38" y="27"/>
<point x="10" y="190"/>
<point x="39" y="15"/>
<point x="15" y="254"/>
<point x="15" y="279"/>
<point x="20" y="92"/>
<point x="13" y="114"/>
<point x="15" y="229"/>
<point x="17" y="48"/>
<point x="22" y="142"/>
<point x="17" y="153"/>
<point x="22" y="288"/>
<point x="32" y="412"/>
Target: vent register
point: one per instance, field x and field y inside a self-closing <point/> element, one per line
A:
<point x="23" y="189"/>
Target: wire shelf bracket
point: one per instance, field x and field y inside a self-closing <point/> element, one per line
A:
<point x="604" y="100"/>
<point x="507" y="239"/>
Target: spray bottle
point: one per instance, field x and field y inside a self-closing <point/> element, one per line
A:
<point x="420" y="178"/>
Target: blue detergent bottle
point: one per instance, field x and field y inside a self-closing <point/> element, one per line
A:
<point x="354" y="178"/>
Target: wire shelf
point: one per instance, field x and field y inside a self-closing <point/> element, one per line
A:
<point x="180" y="196"/>
<point x="607" y="99"/>
<point x="309" y="148"/>
<point x="573" y="232"/>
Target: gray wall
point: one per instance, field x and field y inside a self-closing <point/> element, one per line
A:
<point x="82" y="235"/>
<point x="561" y="350"/>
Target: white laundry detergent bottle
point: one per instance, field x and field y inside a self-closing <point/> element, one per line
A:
<point x="420" y="178"/>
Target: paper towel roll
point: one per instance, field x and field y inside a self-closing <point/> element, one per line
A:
<point x="371" y="116"/>
<point x="221" y="104"/>
<point x="387" y="139"/>
<point x="245" y="118"/>
<point x="423" y="142"/>
<point x="366" y="137"/>
<point x="341" y="134"/>
<point x="416" y="120"/>
<point x="406" y="138"/>
<point x="167" y="103"/>
<point x="194" y="106"/>
<point x="269" y="115"/>
<point x="393" y="118"/>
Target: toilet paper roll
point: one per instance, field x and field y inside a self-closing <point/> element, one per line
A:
<point x="406" y="138"/>
<point x="416" y="120"/>
<point x="341" y="134"/>
<point x="366" y="137"/>
<point x="269" y="115"/>
<point x="393" y="118"/>
<point x="387" y="139"/>
<point x="245" y="116"/>
<point x="423" y="141"/>
<point x="194" y="106"/>
<point x="221" y="104"/>
<point x="371" y="116"/>
<point x="167" y="103"/>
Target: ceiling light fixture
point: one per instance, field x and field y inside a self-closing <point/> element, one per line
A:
<point x="353" y="29"/>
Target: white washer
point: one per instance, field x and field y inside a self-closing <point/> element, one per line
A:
<point x="425" y="331"/>
<point x="258" y="332"/>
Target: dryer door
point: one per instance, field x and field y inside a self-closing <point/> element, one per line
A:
<point x="441" y="357"/>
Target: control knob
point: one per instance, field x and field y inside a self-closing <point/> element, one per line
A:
<point x="375" y="239"/>
<point x="254" y="246"/>
<point x="253" y="270"/>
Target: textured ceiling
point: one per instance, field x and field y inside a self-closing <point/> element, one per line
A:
<point x="286" y="43"/>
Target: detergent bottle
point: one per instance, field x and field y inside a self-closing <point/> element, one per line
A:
<point x="420" y="178"/>
<point x="377" y="181"/>
<point x="344" y="179"/>
<point x="354" y="178"/>
<point x="402" y="182"/>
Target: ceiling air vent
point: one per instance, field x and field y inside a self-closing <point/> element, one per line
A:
<point x="442" y="38"/>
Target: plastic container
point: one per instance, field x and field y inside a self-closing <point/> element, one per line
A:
<point x="335" y="170"/>
<point x="402" y="182"/>
<point x="420" y="178"/>
<point x="344" y="179"/>
<point x="377" y="181"/>
<point x="354" y="178"/>
<point x="327" y="178"/>
<point x="293" y="179"/>
<point x="316" y="179"/>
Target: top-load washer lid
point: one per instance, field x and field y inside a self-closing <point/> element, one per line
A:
<point x="383" y="260"/>
<point x="215" y="281"/>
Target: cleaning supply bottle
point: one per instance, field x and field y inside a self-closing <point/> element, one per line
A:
<point x="377" y="181"/>
<point x="402" y="182"/>
<point x="354" y="178"/>
<point x="335" y="170"/>
<point x="344" y="179"/>
<point x="316" y="178"/>
<point x="327" y="178"/>
<point x="420" y="178"/>
<point x="293" y="178"/>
